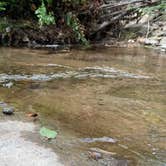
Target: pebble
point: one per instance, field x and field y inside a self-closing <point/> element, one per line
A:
<point x="95" y="155"/>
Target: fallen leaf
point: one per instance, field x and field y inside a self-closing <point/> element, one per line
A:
<point x="32" y="114"/>
<point x="50" y="134"/>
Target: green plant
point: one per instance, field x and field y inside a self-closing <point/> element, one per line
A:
<point x="152" y="9"/>
<point x="49" y="12"/>
<point x="2" y="6"/>
<point x="73" y="22"/>
<point x="44" y="16"/>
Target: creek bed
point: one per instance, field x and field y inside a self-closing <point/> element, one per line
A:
<point x="116" y="93"/>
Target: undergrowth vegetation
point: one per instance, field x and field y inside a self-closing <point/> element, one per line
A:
<point x="153" y="9"/>
<point x="76" y="15"/>
<point x="48" y="12"/>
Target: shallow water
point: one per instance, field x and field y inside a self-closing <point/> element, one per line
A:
<point x="112" y="93"/>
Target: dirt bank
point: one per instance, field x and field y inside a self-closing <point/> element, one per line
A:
<point x="27" y="33"/>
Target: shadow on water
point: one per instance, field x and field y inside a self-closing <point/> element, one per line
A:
<point x="117" y="94"/>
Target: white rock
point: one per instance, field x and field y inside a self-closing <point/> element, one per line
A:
<point x="151" y="41"/>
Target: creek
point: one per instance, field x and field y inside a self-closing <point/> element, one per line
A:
<point x="113" y="99"/>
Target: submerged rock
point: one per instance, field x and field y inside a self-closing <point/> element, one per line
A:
<point x="102" y="139"/>
<point x="104" y="152"/>
<point x="95" y="155"/>
<point x="8" y="110"/>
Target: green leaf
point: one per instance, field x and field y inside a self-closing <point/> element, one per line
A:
<point x="48" y="133"/>
<point x="2" y="6"/>
<point x="49" y="2"/>
<point x="43" y="16"/>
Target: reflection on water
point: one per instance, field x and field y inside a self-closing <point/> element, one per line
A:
<point x="122" y="97"/>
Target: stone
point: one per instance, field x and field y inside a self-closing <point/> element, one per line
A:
<point x="8" y="85"/>
<point x="101" y="139"/>
<point x="8" y="29"/>
<point x="151" y="41"/>
<point x="163" y="41"/>
<point x="95" y="155"/>
<point x="8" y="110"/>
<point x="25" y="39"/>
<point x="163" y="46"/>
<point x="163" y="50"/>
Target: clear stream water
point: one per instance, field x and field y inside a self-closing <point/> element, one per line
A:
<point x="113" y="99"/>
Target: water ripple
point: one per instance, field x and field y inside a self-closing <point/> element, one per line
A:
<point x="81" y="73"/>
